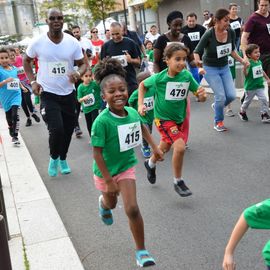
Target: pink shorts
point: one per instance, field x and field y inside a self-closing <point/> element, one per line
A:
<point x="128" y="174"/>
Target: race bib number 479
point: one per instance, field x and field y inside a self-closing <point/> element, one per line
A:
<point x="129" y="135"/>
<point x="176" y="90"/>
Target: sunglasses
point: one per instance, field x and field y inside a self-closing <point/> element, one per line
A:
<point x="94" y="32"/>
<point x="56" y="18"/>
<point x="206" y="14"/>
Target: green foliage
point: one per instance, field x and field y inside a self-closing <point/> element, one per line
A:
<point x="100" y="9"/>
<point x="152" y="4"/>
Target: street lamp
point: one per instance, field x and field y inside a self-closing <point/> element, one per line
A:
<point x="125" y="14"/>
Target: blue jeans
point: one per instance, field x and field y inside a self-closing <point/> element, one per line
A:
<point x="221" y="81"/>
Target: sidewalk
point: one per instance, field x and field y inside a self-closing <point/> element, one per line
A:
<point x="34" y="223"/>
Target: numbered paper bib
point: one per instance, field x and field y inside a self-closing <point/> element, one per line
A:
<point x="90" y="100"/>
<point x="14" y="85"/>
<point x="122" y="59"/>
<point x="230" y="61"/>
<point x="57" y="69"/>
<point x="224" y="50"/>
<point x="177" y="42"/>
<point x="130" y="136"/>
<point x="194" y="36"/>
<point x="20" y="70"/>
<point x="268" y="27"/>
<point x="97" y="49"/>
<point x="176" y="90"/>
<point x="257" y="72"/>
<point x="149" y="103"/>
<point x="235" y="25"/>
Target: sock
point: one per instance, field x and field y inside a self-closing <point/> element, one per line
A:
<point x="176" y="180"/>
<point x="151" y="163"/>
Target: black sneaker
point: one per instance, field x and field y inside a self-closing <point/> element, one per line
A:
<point x="37" y="119"/>
<point x="265" y="118"/>
<point x="243" y="116"/>
<point x="16" y="141"/>
<point x="182" y="189"/>
<point x="151" y="172"/>
<point x="78" y="132"/>
<point x="28" y="122"/>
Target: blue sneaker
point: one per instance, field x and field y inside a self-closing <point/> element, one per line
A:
<point x="144" y="259"/>
<point x="146" y="152"/>
<point x="64" y="168"/>
<point x="105" y="214"/>
<point x="53" y="167"/>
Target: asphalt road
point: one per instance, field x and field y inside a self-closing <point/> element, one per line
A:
<point x="225" y="171"/>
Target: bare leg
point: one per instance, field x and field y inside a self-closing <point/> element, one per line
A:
<point x="178" y="157"/>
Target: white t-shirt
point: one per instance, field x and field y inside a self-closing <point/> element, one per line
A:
<point x="151" y="37"/>
<point x="55" y="62"/>
<point x="86" y="43"/>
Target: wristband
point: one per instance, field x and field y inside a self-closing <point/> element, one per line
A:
<point x="33" y="82"/>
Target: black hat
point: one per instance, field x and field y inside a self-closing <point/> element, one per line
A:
<point x="174" y="15"/>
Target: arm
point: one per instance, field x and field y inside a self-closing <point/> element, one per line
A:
<point x="25" y="90"/>
<point x="2" y="83"/>
<point x="201" y="94"/>
<point x="110" y="184"/>
<point x="237" y="57"/>
<point x="238" y="232"/>
<point x="157" y="57"/>
<point x="133" y="61"/>
<point x="74" y="76"/>
<point x="266" y="78"/>
<point x="141" y="93"/>
<point x="244" y="42"/>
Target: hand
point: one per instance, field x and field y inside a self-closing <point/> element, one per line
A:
<point x="142" y="110"/>
<point x="228" y="262"/>
<point x="245" y="62"/>
<point x="268" y="81"/>
<point x="128" y="57"/>
<point x="158" y="154"/>
<point x="9" y="80"/>
<point x="73" y="76"/>
<point x="201" y="94"/>
<point x="25" y="90"/>
<point x="201" y="71"/>
<point x="37" y="88"/>
<point x="198" y="63"/>
<point x="85" y="98"/>
<point x="111" y="187"/>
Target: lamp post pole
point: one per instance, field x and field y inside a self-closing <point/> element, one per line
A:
<point x="125" y="14"/>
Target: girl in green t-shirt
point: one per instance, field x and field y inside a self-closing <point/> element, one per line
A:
<point x="172" y="87"/>
<point x="115" y="133"/>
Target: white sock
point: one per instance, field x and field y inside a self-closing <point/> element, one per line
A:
<point x="151" y="163"/>
<point x="176" y="179"/>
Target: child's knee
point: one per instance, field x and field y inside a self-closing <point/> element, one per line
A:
<point x="132" y="211"/>
<point x="110" y="203"/>
<point x="179" y="146"/>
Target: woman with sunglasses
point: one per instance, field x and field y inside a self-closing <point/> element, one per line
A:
<point x="97" y="44"/>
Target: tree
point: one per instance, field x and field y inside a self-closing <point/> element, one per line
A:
<point x="152" y="4"/>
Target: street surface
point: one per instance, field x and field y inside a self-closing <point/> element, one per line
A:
<point x="225" y="171"/>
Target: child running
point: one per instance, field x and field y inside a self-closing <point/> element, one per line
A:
<point x="172" y="87"/>
<point x="88" y="95"/>
<point x="257" y="217"/>
<point x="10" y="94"/>
<point x="254" y="84"/>
<point x="148" y="102"/>
<point x="115" y="132"/>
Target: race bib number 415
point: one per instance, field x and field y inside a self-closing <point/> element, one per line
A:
<point x="176" y="90"/>
<point x="14" y="85"/>
<point x="130" y="136"/>
<point x="57" y="69"/>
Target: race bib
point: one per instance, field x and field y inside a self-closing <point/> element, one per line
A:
<point x="20" y="70"/>
<point x="176" y="90"/>
<point x="57" y="69"/>
<point x="149" y="103"/>
<point x="177" y="42"/>
<point x="122" y="59"/>
<point x="97" y="49"/>
<point x="224" y="50"/>
<point x="129" y="135"/>
<point x="194" y="36"/>
<point x="90" y="100"/>
<point x="235" y="25"/>
<point x="14" y="85"/>
<point x="268" y="27"/>
<point x="257" y="72"/>
<point x="230" y="61"/>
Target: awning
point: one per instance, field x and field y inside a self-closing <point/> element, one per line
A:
<point x="135" y="2"/>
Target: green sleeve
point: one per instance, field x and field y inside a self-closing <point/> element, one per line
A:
<point x="203" y="42"/>
<point x="133" y="100"/>
<point x="98" y="133"/>
<point x="266" y="253"/>
<point x="79" y="91"/>
<point x="258" y="216"/>
<point x="151" y="56"/>
<point x="150" y="81"/>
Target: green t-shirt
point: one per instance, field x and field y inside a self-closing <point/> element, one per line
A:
<point x="231" y="62"/>
<point x="148" y="102"/>
<point x="215" y="53"/>
<point x="150" y="55"/>
<point x="171" y="94"/>
<point x="117" y="137"/>
<point x="94" y="99"/>
<point x="254" y="78"/>
<point x="258" y="217"/>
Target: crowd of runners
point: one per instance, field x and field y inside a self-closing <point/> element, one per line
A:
<point x="124" y="84"/>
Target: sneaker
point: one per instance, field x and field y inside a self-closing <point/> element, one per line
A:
<point x="265" y="118"/>
<point x="182" y="189"/>
<point x="151" y="172"/>
<point x="53" y="167"/>
<point x="219" y="126"/>
<point x="78" y="132"/>
<point x="28" y="122"/>
<point x="229" y="113"/>
<point x="37" y="119"/>
<point x="213" y="106"/>
<point x="64" y="167"/>
<point x="146" y="152"/>
<point x="144" y="259"/>
<point x="15" y="141"/>
<point x="105" y="214"/>
<point x="243" y="116"/>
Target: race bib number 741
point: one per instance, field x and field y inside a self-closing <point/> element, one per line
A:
<point x="130" y="136"/>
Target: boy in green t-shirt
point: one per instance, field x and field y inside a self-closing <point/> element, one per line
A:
<point x="148" y="118"/>
<point x="254" y="84"/>
<point x="88" y="95"/>
<point x="257" y="217"/>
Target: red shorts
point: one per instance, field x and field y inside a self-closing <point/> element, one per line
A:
<point x="128" y="174"/>
<point x="170" y="131"/>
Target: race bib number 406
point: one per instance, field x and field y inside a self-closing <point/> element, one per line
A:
<point x="176" y="90"/>
<point x="57" y="69"/>
<point x="130" y="136"/>
<point x="14" y="85"/>
<point x="224" y="50"/>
